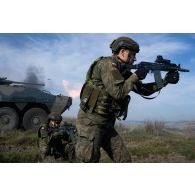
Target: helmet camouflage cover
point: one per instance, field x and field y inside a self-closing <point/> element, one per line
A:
<point x="54" y="116"/>
<point x="124" y="42"/>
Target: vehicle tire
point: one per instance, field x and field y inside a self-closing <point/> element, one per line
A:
<point x="9" y="118"/>
<point x="33" y="118"/>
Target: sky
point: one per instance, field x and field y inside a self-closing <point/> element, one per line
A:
<point x="61" y="60"/>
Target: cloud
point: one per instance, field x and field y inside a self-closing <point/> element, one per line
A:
<point x="192" y="62"/>
<point x="165" y="47"/>
<point x="62" y="57"/>
<point x="162" y="47"/>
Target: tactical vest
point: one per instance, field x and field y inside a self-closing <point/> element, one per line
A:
<point x="95" y="98"/>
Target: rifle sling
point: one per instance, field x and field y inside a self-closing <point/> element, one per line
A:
<point x="151" y="98"/>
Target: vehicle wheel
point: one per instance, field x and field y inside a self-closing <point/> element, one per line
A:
<point x="9" y="118"/>
<point x="33" y="118"/>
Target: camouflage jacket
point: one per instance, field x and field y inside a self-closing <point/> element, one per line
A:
<point x="106" y="88"/>
<point x="108" y="72"/>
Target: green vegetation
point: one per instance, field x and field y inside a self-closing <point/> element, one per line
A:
<point x="19" y="146"/>
<point x="152" y="142"/>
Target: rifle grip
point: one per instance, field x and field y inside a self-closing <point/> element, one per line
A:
<point x="158" y="79"/>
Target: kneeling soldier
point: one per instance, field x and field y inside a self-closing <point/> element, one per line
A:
<point x="55" y="140"/>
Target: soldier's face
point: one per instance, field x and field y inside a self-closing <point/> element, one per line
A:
<point x="127" y="56"/>
<point x="131" y="57"/>
<point x="54" y="123"/>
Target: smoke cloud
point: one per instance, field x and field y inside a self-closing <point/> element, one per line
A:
<point x="35" y="76"/>
<point x="73" y="91"/>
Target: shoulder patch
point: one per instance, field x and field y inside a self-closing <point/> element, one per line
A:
<point x="117" y="77"/>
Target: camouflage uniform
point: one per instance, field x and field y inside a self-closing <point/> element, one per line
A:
<point x="104" y="97"/>
<point x="52" y="144"/>
<point x="43" y="140"/>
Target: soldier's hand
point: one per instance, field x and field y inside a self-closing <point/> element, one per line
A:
<point x="141" y="73"/>
<point x="171" y="77"/>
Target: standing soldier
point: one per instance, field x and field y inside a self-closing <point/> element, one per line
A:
<point x="56" y="141"/>
<point x="104" y="97"/>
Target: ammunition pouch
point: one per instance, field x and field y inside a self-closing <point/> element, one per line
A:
<point x="96" y="99"/>
<point x="89" y="96"/>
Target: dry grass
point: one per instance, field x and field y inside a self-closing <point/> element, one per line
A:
<point x="153" y="142"/>
<point x="154" y="127"/>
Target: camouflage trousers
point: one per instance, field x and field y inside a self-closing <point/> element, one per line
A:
<point x="43" y="142"/>
<point x="96" y="132"/>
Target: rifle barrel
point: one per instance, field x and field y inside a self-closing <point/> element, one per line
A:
<point x="184" y="70"/>
<point x="40" y="84"/>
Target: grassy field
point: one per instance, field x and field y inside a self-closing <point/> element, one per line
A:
<point x="165" y="145"/>
<point x="152" y="142"/>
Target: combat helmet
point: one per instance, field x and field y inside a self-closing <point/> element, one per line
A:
<point x="55" y="116"/>
<point x="124" y="42"/>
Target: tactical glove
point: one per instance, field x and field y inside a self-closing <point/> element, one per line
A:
<point x="141" y="73"/>
<point x="171" y="77"/>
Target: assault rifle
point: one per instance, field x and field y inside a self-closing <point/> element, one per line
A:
<point x="156" y="67"/>
<point x="66" y="131"/>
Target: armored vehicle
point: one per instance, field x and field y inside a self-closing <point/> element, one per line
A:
<point x="27" y="107"/>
